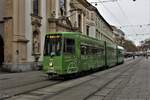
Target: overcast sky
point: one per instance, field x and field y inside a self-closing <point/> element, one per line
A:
<point x="133" y="17"/>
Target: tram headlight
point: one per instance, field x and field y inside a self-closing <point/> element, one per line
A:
<point x="51" y="64"/>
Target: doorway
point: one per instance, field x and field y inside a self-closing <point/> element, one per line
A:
<point x="1" y="50"/>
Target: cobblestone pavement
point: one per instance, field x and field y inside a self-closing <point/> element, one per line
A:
<point x="132" y="85"/>
<point x="103" y="85"/>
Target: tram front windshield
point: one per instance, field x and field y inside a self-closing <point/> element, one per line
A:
<point x="53" y="45"/>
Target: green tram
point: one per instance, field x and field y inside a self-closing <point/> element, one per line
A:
<point x="70" y="52"/>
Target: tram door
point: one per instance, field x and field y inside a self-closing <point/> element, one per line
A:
<point x="1" y="51"/>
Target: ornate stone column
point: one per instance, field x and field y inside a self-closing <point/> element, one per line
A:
<point x="36" y="42"/>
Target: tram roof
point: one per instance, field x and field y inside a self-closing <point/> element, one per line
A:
<point x="63" y="33"/>
<point x="82" y="36"/>
<point x="119" y="47"/>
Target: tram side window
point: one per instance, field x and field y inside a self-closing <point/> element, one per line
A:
<point x="97" y="51"/>
<point x="69" y="46"/>
<point x="90" y="50"/>
<point x="120" y="52"/>
<point x="83" y="50"/>
<point x="94" y="50"/>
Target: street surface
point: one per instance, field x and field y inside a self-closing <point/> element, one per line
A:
<point x="129" y="81"/>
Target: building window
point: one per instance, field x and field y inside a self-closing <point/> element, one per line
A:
<point x="69" y="46"/>
<point x="87" y="30"/>
<point x="79" y="22"/>
<point x="87" y="14"/>
<point x="97" y="34"/>
<point x="92" y="16"/>
<point x="36" y="7"/>
<point x="62" y="5"/>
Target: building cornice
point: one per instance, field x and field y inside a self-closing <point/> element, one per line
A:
<point x="39" y="17"/>
<point x="1" y="22"/>
<point x="7" y="18"/>
<point x="21" y="40"/>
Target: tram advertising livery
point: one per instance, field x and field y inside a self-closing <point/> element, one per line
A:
<point x="67" y="53"/>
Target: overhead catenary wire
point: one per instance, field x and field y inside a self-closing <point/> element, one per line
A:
<point x="117" y="20"/>
<point x="132" y="28"/>
<point x="138" y="25"/>
<point x="104" y="1"/>
<point x="114" y="17"/>
<point x="124" y="14"/>
<point x="139" y="34"/>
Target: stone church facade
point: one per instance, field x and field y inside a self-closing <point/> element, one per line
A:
<point x="22" y="24"/>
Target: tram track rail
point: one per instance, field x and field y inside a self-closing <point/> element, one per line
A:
<point x="23" y="82"/>
<point x="126" y="79"/>
<point x="8" y="93"/>
<point x="29" y="88"/>
<point x="110" y="81"/>
<point x="49" y="97"/>
<point x="22" y="87"/>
